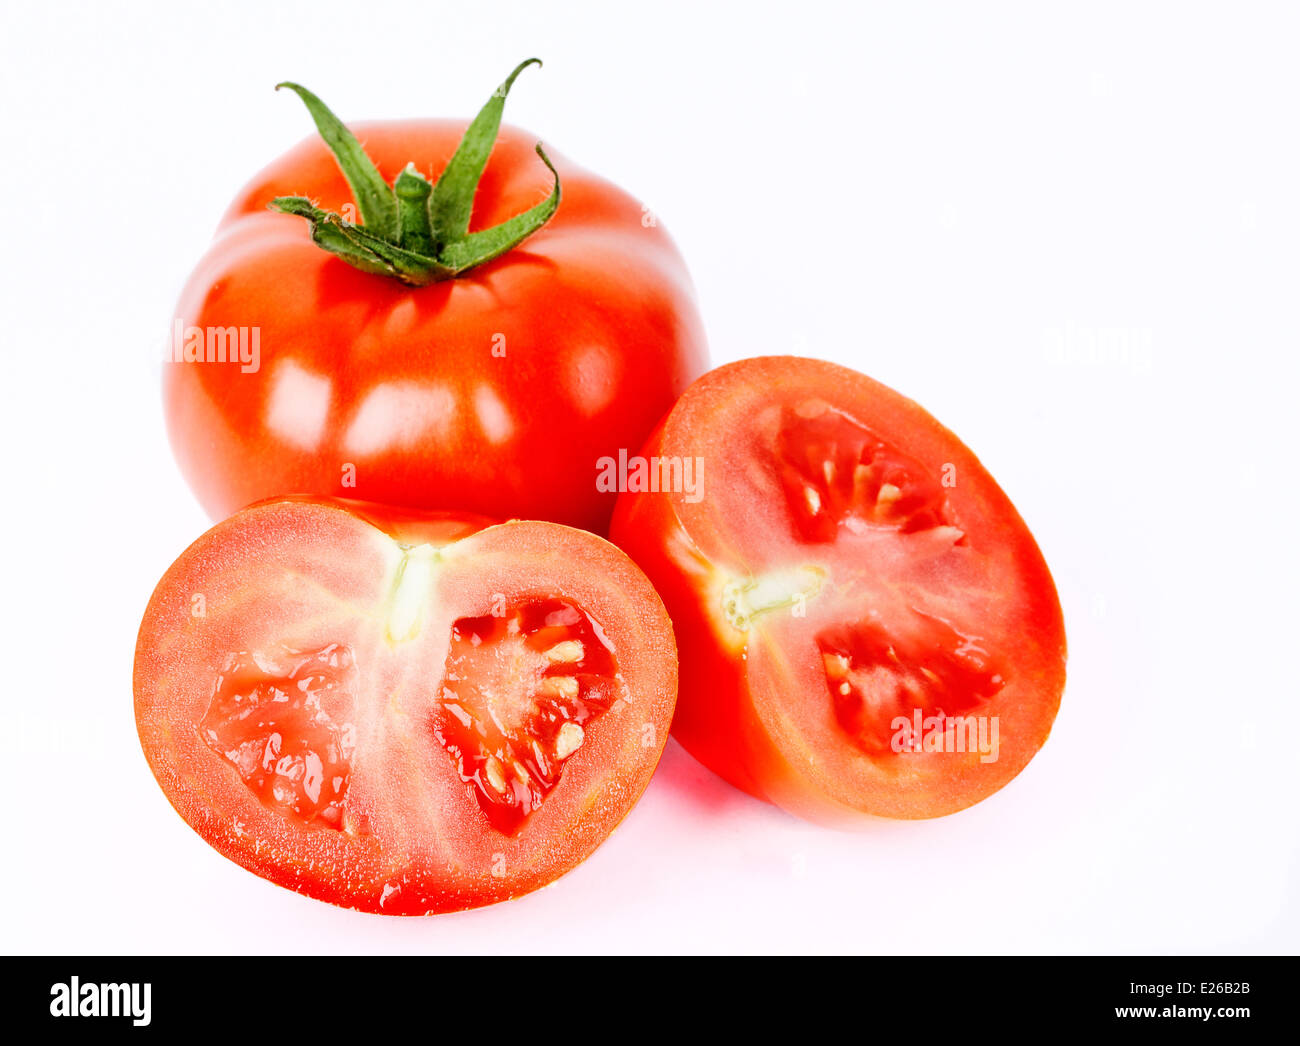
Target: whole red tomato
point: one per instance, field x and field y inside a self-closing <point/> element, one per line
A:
<point x="475" y="339"/>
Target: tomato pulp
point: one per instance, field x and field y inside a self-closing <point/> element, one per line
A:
<point x="865" y="624"/>
<point x="402" y="713"/>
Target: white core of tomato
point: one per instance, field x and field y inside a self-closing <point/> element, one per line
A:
<point x="412" y="581"/>
<point x="743" y="601"/>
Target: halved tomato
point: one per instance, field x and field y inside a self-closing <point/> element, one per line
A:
<point x="398" y="712"/>
<point x="865" y="624"/>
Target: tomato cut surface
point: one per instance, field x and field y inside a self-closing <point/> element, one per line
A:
<point x="401" y="713"/>
<point x="866" y="626"/>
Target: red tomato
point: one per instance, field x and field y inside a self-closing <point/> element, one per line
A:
<point x="403" y="714"/>
<point x="496" y="391"/>
<point x="864" y="622"/>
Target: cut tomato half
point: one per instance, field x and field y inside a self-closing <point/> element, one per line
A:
<point x="865" y="624"/>
<point x="398" y="712"/>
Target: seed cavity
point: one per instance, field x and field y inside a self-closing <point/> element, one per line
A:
<point x="281" y="718"/>
<point x="519" y="694"/>
<point x="876" y="676"/>
<point x="836" y="472"/>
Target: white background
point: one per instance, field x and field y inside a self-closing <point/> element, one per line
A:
<point x="960" y="204"/>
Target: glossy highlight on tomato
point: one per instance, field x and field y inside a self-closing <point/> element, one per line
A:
<point x="398" y="712"/>
<point x="865" y="624"/>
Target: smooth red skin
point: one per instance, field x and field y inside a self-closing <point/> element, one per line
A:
<point x="597" y="312"/>
<point x="442" y="853"/>
<point x="718" y="718"/>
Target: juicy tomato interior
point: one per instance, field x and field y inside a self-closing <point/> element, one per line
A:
<point x="874" y="677"/>
<point x="877" y="632"/>
<point x="398" y="727"/>
<point x="837" y="473"/>
<point x="848" y="487"/>
<point x="283" y="720"/>
<point x="518" y="694"/>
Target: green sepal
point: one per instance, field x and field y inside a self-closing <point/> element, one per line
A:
<point x="453" y="196"/>
<point x="374" y="198"/>
<point x="415" y="231"/>
<point x="480" y="247"/>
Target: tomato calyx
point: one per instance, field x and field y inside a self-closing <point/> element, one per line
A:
<point x="416" y="231"/>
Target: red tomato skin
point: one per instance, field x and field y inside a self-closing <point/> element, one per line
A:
<point x="496" y="392"/>
<point x="718" y="718"/>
